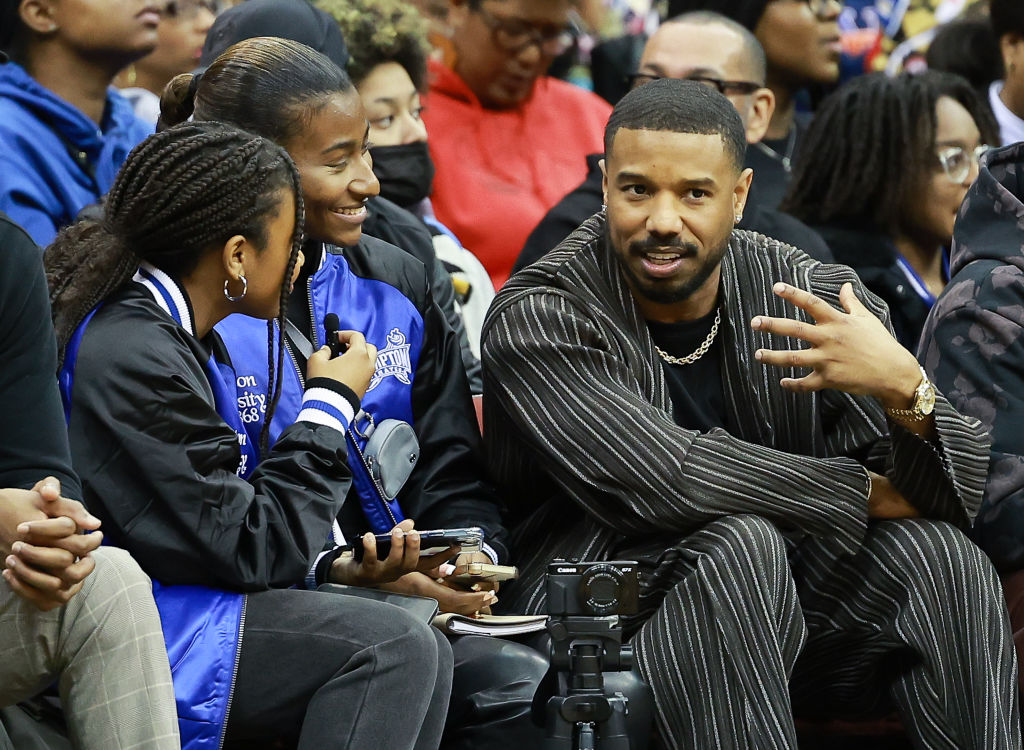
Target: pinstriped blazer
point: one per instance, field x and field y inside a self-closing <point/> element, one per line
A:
<point x="580" y="437"/>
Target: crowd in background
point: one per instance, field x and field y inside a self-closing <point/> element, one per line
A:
<point x="417" y="167"/>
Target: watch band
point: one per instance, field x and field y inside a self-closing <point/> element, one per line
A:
<point x="906" y="415"/>
<point x="917" y="412"/>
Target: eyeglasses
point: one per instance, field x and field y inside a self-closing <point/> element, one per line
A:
<point x="956" y="161"/>
<point x="186" y="10"/>
<point x="514" y="35"/>
<point x="818" y="7"/>
<point x="723" y="87"/>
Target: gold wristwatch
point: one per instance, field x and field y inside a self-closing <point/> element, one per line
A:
<point x="924" y="402"/>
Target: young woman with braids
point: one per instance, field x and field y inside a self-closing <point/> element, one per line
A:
<point x="881" y="175"/>
<point x="296" y="96"/>
<point x="204" y="221"/>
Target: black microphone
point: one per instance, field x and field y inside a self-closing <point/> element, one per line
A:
<point x="331" y="326"/>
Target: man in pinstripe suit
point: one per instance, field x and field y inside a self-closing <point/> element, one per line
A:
<point x="798" y="536"/>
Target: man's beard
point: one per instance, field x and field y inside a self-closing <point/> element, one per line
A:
<point x="661" y="292"/>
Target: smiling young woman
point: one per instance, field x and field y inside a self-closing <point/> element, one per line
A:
<point x="203" y="222"/>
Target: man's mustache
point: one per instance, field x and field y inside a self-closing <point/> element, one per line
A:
<point x="652" y="245"/>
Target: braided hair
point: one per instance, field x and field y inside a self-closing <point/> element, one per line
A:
<point x="869" y="145"/>
<point x="179" y="193"/>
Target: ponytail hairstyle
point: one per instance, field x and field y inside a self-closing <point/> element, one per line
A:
<point x="269" y="86"/>
<point x="870" y="143"/>
<point x="180" y="193"/>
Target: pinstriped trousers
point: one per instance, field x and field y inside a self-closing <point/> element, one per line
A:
<point x="738" y="626"/>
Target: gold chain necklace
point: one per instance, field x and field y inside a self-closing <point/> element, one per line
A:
<point x="701" y="350"/>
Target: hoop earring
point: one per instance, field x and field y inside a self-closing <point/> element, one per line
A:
<point x="227" y="293"/>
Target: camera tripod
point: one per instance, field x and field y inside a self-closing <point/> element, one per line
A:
<point x="581" y="716"/>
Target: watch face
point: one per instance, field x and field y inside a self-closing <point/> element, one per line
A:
<point x="925" y="401"/>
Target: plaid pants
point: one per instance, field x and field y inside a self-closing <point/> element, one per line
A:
<point x="107" y="651"/>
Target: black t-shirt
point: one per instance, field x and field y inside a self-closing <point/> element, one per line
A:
<point x="696" y="389"/>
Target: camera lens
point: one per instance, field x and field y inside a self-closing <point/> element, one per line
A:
<point x="600" y="588"/>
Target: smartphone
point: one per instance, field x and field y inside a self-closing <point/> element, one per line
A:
<point x="431" y="542"/>
<point x="476" y="572"/>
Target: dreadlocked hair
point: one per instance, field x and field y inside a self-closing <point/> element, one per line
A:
<point x="180" y="193"/>
<point x="871" y="143"/>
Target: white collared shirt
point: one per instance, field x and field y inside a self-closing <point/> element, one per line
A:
<point x="1011" y="127"/>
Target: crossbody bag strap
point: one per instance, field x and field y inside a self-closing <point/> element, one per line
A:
<point x="299" y="340"/>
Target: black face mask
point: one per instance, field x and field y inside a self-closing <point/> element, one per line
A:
<point x="406" y="172"/>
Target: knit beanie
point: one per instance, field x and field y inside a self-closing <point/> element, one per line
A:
<point x="746" y="12"/>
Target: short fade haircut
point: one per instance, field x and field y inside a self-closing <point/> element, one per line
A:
<point x="1007" y="17"/>
<point x="679" y="106"/>
<point x="752" y="48"/>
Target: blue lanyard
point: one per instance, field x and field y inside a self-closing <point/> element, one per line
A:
<point x="917" y="282"/>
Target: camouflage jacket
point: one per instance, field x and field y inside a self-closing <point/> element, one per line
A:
<point x="973" y="342"/>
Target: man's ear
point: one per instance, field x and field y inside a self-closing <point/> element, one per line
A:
<point x="39" y="16"/>
<point x="234" y="255"/>
<point x="604" y="181"/>
<point x="762" y="107"/>
<point x="741" y="191"/>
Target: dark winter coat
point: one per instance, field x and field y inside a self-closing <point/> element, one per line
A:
<point x="973" y="342"/>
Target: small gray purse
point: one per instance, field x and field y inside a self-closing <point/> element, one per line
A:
<point x="390" y="450"/>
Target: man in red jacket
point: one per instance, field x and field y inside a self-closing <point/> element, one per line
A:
<point x="507" y="140"/>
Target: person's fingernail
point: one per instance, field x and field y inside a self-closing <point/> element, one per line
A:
<point x="23" y="528"/>
<point x="90" y="518"/>
<point x="367" y="537"/>
<point x="779" y="288"/>
<point x="446" y="569"/>
<point x="755" y="323"/>
<point x="414" y="536"/>
<point x="475" y="587"/>
<point x="51" y="486"/>
<point x="759" y="355"/>
<point x="11" y="561"/>
<point x="492" y="598"/>
<point x="17" y="547"/>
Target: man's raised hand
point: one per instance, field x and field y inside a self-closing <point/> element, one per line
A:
<point x="851" y="350"/>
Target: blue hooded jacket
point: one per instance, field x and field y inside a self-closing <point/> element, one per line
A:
<point x="54" y="160"/>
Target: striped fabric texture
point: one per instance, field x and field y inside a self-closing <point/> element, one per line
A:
<point x="759" y="562"/>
